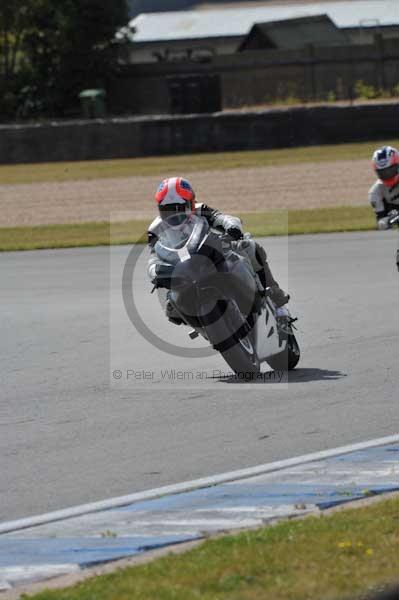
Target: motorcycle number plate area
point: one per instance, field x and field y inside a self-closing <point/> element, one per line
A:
<point x="267" y="335"/>
<point x="184" y="254"/>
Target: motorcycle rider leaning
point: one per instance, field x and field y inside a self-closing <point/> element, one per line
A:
<point x="384" y="193"/>
<point x="176" y="202"/>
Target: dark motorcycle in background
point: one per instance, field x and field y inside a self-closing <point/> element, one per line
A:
<point x="215" y="290"/>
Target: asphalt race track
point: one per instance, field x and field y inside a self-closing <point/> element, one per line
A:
<point x="72" y="433"/>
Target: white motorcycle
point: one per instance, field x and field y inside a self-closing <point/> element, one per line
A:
<point x="215" y="290"/>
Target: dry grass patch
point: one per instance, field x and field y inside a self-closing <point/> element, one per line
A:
<point x="166" y="166"/>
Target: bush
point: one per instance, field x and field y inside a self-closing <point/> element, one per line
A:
<point x="363" y="90"/>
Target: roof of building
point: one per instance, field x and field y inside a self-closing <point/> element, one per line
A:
<point x="294" y="33"/>
<point x="152" y="27"/>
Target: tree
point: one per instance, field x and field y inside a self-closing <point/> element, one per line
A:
<point x="64" y="47"/>
<point x="14" y="24"/>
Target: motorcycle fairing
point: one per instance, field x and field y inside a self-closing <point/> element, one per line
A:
<point x="267" y="337"/>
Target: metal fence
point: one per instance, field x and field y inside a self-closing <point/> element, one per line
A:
<point x="262" y="77"/>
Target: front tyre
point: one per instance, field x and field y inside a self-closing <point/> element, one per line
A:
<point x="288" y="358"/>
<point x="242" y="358"/>
<point x="226" y="332"/>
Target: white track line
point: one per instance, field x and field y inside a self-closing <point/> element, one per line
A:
<point x="189" y="486"/>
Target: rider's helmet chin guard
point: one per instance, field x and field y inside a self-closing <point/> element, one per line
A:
<point x="386" y="165"/>
<point x="176" y="201"/>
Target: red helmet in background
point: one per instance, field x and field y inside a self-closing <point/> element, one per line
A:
<point x="176" y="200"/>
<point x="386" y="165"/>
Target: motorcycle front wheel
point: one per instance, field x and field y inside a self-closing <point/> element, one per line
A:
<point x="242" y="358"/>
<point x="288" y="358"/>
<point x="237" y="350"/>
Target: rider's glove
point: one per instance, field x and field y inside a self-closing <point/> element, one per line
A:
<point x="163" y="275"/>
<point x="384" y="223"/>
<point x="235" y="233"/>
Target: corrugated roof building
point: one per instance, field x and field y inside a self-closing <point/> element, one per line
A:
<point x="173" y="35"/>
<point x="294" y="33"/>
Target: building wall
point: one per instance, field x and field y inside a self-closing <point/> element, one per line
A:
<point x="181" y="50"/>
<point x="259" y="77"/>
<point x="365" y="34"/>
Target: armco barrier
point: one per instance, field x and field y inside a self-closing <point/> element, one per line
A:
<point x="165" y="135"/>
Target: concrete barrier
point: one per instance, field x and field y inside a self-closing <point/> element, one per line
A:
<point x="166" y="135"/>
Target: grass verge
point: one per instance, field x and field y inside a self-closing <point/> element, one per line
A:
<point x="275" y="222"/>
<point x="164" y="166"/>
<point x="341" y="556"/>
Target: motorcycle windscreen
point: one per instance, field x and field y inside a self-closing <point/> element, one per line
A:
<point x="175" y="244"/>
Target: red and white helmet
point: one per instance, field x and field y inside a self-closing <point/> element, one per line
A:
<point x="176" y="200"/>
<point x="386" y="165"/>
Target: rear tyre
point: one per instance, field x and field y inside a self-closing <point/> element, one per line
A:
<point x="288" y="358"/>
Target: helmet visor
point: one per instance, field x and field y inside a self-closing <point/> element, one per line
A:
<point x="174" y="214"/>
<point x="387" y="173"/>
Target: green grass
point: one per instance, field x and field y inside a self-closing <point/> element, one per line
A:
<point x="330" y="557"/>
<point x="167" y="166"/>
<point x="69" y="236"/>
<point x="318" y="220"/>
<point x="276" y="222"/>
